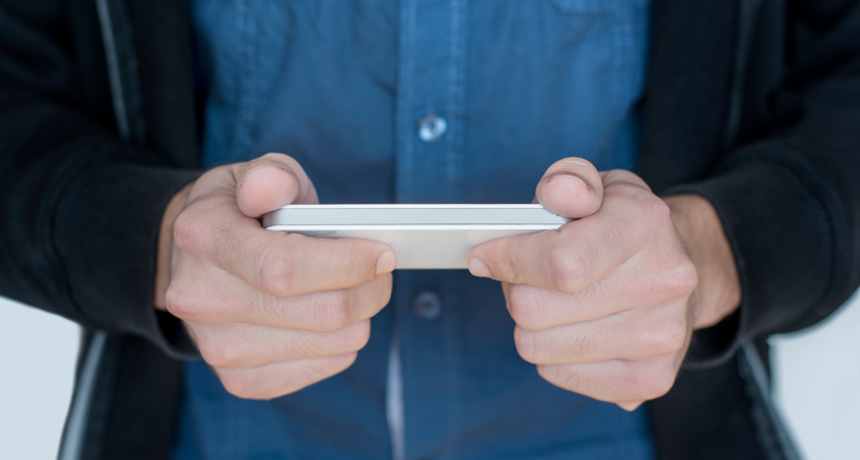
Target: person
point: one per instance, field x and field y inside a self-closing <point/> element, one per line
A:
<point x="707" y="151"/>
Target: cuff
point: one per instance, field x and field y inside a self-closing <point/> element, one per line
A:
<point x="781" y="235"/>
<point x="105" y="230"/>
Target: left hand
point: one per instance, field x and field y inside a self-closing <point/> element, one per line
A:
<point x="602" y="305"/>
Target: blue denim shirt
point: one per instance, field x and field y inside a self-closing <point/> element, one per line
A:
<point x="420" y="101"/>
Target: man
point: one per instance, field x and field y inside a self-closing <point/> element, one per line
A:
<point x="740" y="223"/>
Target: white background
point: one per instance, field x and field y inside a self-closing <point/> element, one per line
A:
<point x="817" y="383"/>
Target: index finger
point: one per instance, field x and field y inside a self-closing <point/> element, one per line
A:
<point x="273" y="262"/>
<point x="580" y="252"/>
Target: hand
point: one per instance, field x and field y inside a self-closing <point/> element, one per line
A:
<point x="270" y="312"/>
<point x="603" y="305"/>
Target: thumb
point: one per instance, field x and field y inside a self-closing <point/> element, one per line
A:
<point x="571" y="187"/>
<point x="272" y="182"/>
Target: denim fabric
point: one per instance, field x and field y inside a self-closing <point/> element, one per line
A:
<point x="344" y="87"/>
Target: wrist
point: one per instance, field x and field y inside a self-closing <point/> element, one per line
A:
<point x="718" y="293"/>
<point x="165" y="245"/>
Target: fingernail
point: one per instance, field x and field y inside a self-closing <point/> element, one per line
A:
<point x="386" y="263"/>
<point x="478" y="268"/>
<point x="571" y="181"/>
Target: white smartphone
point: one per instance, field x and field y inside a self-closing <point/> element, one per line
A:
<point x="424" y="236"/>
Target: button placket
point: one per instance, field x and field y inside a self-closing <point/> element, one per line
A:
<point x="427" y="305"/>
<point x="430" y="101"/>
<point x="431" y="127"/>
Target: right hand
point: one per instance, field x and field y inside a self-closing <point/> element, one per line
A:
<point x="270" y="312"/>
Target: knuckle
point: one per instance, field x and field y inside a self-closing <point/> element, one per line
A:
<point x="275" y="311"/>
<point x="668" y="335"/>
<point x="220" y="353"/>
<point x="243" y="384"/>
<point x="684" y="277"/>
<point x="548" y="372"/>
<point x="657" y="208"/>
<point x="667" y="341"/>
<point x="276" y="275"/>
<point x="651" y="383"/>
<point x="188" y="231"/>
<point x="526" y="345"/>
<point x="558" y="376"/>
<point x="662" y="384"/>
<point x="174" y="301"/>
<point x="344" y="363"/>
<point x="358" y="270"/>
<point x="358" y="336"/>
<point x="677" y="281"/>
<point x="334" y="313"/>
<point x="675" y="339"/>
<point x="568" y="268"/>
<point x="651" y="212"/>
<point x="678" y="326"/>
<point x="301" y="346"/>
<point x="387" y="281"/>
<point x="648" y="211"/>
<point x="579" y="345"/>
<point x="183" y="305"/>
<point x="671" y="279"/>
<point x="525" y="308"/>
<point x="504" y="266"/>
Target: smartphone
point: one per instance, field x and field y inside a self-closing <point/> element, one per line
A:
<point x="424" y="236"/>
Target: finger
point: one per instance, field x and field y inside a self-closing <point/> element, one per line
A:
<point x="281" y="378"/>
<point x="536" y="308"/>
<point x="620" y="176"/>
<point x="276" y="263"/>
<point x="580" y="252"/>
<point x="272" y="182"/>
<point x="636" y="335"/>
<point x="205" y="294"/>
<point x="646" y="279"/>
<point x="630" y="406"/>
<point x="615" y="381"/>
<point x="249" y="345"/>
<point x="571" y="187"/>
<point x="327" y="311"/>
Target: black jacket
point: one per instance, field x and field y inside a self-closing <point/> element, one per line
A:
<point x="754" y="104"/>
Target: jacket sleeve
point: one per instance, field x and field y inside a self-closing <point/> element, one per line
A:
<point x="80" y="209"/>
<point x="790" y="200"/>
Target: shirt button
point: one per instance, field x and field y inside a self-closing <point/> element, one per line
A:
<point x="427" y="305"/>
<point x="431" y="128"/>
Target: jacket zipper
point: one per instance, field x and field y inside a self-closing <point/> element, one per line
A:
<point x="76" y="424"/>
<point x="775" y="441"/>
<point x="394" y="410"/>
<point x="752" y="369"/>
<point x="125" y="96"/>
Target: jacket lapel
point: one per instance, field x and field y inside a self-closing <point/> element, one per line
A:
<point x="163" y="44"/>
<point x="687" y="96"/>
